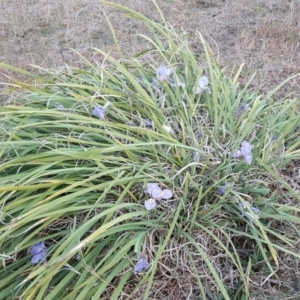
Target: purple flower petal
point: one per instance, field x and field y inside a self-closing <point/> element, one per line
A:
<point x="148" y="124"/>
<point x="243" y="108"/>
<point x="222" y="189"/>
<point x="39" y="252"/>
<point x="198" y="135"/>
<point x="39" y="257"/>
<point x="156" y="194"/>
<point x="251" y="216"/>
<point x="246" y="149"/>
<point x="36" y="258"/>
<point x="203" y="82"/>
<point x="248" y="159"/>
<point x="202" y="85"/>
<point x="161" y="194"/>
<point x="151" y="187"/>
<point x="166" y="194"/>
<point x="37" y="248"/>
<point x="150" y="204"/>
<point x="44" y="255"/>
<point x="255" y="210"/>
<point x="163" y="73"/>
<point x="237" y="154"/>
<point x="242" y="205"/>
<point x="59" y="106"/>
<point x="99" y="112"/>
<point x="196" y="156"/>
<point x="142" y="265"/>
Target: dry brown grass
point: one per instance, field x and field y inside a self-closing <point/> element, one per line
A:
<point x="263" y="34"/>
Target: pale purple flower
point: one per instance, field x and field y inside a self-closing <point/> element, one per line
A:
<point x="166" y="194"/>
<point x="150" y="204"/>
<point x="155" y="192"/>
<point x="59" y="106"/>
<point x="99" y="111"/>
<point x="162" y="194"/>
<point x="151" y="187"/>
<point x="243" y="108"/>
<point x="202" y="85"/>
<point x="148" y="124"/>
<point x="245" y="151"/>
<point x="203" y="82"/>
<point x="255" y="210"/>
<point x="237" y="154"/>
<point x="198" y="135"/>
<point x="251" y="216"/>
<point x="39" y="252"/>
<point x="196" y="156"/>
<point x="246" y="148"/>
<point x="222" y="189"/>
<point x="248" y="159"/>
<point x="142" y="265"/>
<point x="163" y="73"/>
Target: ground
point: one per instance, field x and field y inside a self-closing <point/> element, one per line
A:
<point x="262" y="34"/>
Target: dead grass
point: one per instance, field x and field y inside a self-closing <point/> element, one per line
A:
<point x="263" y="34"/>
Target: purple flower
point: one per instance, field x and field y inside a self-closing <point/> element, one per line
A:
<point x="99" y="111"/>
<point x="163" y="73"/>
<point x="142" y="265"/>
<point x="164" y="194"/>
<point x="245" y="151"/>
<point x="246" y="148"/>
<point x="255" y="210"/>
<point x="222" y="189"/>
<point x="254" y="215"/>
<point x="39" y="252"/>
<point x="59" y="106"/>
<point x="155" y="192"/>
<point x="243" y="108"/>
<point x="248" y="159"/>
<point x="198" y="135"/>
<point x="150" y="204"/>
<point x="237" y="154"/>
<point x="148" y="124"/>
<point x="151" y="187"/>
<point x="202" y="85"/>
<point x="196" y="156"/>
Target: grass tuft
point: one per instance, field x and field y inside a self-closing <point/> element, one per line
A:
<point x="77" y="181"/>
